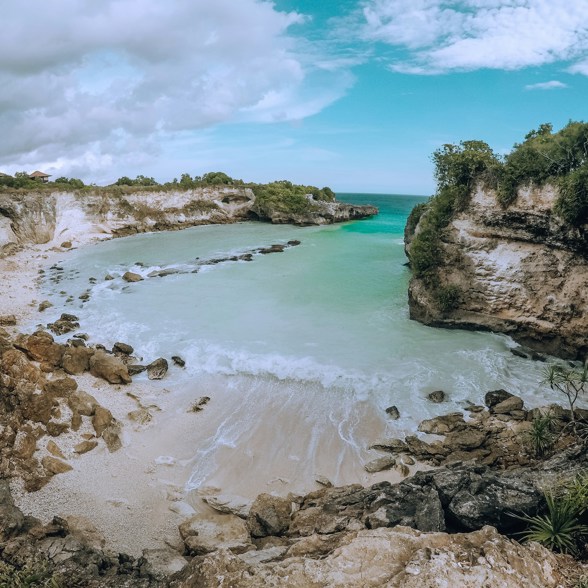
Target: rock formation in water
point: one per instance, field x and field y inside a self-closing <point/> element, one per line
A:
<point x="76" y="217"/>
<point x="503" y="245"/>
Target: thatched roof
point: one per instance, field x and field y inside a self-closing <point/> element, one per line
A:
<point x="39" y="174"/>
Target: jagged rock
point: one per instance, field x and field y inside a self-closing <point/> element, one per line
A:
<point x="201" y="537"/>
<point x="76" y="359"/>
<point x="85" y="446"/>
<point x="122" y="348"/>
<point x="82" y="403"/>
<point x="269" y="515"/>
<point x="44" y="305"/>
<point x="40" y="346"/>
<point x="85" y="532"/>
<point x="111" y="436"/>
<point x="131" y="277"/>
<point x="141" y="416"/>
<point x="514" y="403"/>
<point x="393" y="412"/>
<point x="60" y="387"/>
<point x="135" y="369"/>
<point x="55" y="429"/>
<point x="11" y="518"/>
<point x="157" y="369"/>
<point x="495" y="397"/>
<point x="199" y="404"/>
<point x="109" y="367"/>
<point x="25" y="444"/>
<point x="55" y="466"/>
<point x="65" y="324"/>
<point x="466" y="439"/>
<point x="101" y="419"/>
<point x="323" y="481"/>
<point x="178" y="361"/>
<point x="162" y="563"/>
<point x="54" y="449"/>
<point x="7" y="320"/>
<point x="392" y="445"/>
<point x="444" y="424"/>
<point x="437" y="396"/>
<point x="377" y="465"/>
<point x="232" y="504"/>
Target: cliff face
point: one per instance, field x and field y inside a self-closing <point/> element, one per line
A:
<point x="80" y="217"/>
<point x="519" y="270"/>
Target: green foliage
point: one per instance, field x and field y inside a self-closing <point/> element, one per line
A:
<point x="72" y="182"/>
<point x="448" y="297"/>
<point x="218" y="179"/>
<point x="570" y="381"/>
<point x="464" y="164"/>
<point x="541" y="436"/>
<point x="138" y="181"/>
<point x="560" y="528"/>
<point x="415" y="216"/>
<point x="32" y="575"/>
<point x="545" y="156"/>
<point x="572" y="204"/>
<point x="284" y="196"/>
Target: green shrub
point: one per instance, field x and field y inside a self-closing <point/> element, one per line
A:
<point x="32" y="575"/>
<point x="572" y="202"/>
<point x="415" y="216"/>
<point x="541" y="436"/>
<point x="448" y="297"/>
<point x="559" y="529"/>
<point x="284" y="196"/>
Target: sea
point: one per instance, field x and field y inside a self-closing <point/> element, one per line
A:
<point x="299" y="351"/>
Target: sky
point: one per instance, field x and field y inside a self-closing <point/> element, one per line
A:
<point x="351" y="94"/>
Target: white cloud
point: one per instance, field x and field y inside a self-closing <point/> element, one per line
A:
<point x="91" y="82"/>
<point x="552" y="85"/>
<point x="439" y="36"/>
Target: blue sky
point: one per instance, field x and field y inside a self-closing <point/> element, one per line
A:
<point x="351" y="94"/>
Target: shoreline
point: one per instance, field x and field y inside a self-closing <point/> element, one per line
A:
<point x="116" y="490"/>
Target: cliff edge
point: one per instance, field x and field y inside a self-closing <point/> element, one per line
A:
<point x="512" y="265"/>
<point x="81" y="216"/>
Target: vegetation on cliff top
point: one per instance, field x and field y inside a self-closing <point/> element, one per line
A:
<point x="543" y="157"/>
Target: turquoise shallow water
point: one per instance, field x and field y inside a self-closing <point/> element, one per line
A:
<point x="321" y="328"/>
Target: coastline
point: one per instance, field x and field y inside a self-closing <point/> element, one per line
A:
<point x="137" y="496"/>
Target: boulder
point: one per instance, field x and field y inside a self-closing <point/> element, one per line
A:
<point x="467" y="439"/>
<point x="85" y="446"/>
<point x="230" y="504"/>
<point x="44" y="305"/>
<point x="393" y="412"/>
<point x="40" y="346"/>
<point x="437" y="396"/>
<point x="76" y="359"/>
<point x="443" y="424"/>
<point x="178" y="361"/>
<point x="131" y="277"/>
<point x="494" y="397"/>
<point x="55" y="466"/>
<point x="157" y="369"/>
<point x="511" y="404"/>
<point x="377" y="465"/>
<point x="201" y="537"/>
<point x="85" y="532"/>
<point x="82" y="403"/>
<point x="54" y="449"/>
<point x="64" y="324"/>
<point x="269" y="515"/>
<point x="60" y="387"/>
<point x="109" y="367"/>
<point x="111" y="436"/>
<point x="101" y="419"/>
<point x="25" y="444"/>
<point x="11" y="518"/>
<point x="122" y="348"/>
<point x="135" y="369"/>
<point x="7" y="320"/>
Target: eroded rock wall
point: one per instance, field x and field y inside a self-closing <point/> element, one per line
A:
<point x="519" y="270"/>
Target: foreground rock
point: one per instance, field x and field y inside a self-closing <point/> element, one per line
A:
<point x="396" y="558"/>
<point x="109" y="367"/>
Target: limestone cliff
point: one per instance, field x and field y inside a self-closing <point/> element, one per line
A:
<point x="85" y="215"/>
<point x="518" y="270"/>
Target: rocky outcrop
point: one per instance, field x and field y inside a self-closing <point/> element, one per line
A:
<point x="518" y="270"/>
<point x="78" y="217"/>
<point x="319" y="213"/>
<point x="396" y="558"/>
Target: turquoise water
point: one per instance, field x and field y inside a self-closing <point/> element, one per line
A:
<point x="321" y="329"/>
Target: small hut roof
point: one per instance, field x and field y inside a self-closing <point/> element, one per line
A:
<point x="39" y="174"/>
<point x="3" y="175"/>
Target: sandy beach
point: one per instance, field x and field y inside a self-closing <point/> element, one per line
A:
<point x="138" y="495"/>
